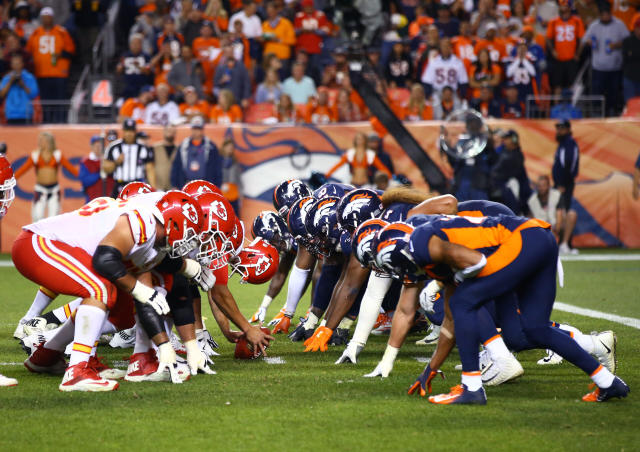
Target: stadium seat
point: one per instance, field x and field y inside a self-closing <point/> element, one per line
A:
<point x="632" y="110"/>
<point x="257" y="113"/>
<point x="399" y="96"/>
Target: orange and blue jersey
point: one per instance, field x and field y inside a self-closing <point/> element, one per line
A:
<point x="396" y="211"/>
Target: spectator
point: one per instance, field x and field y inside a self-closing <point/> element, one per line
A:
<point x="484" y="71"/>
<point x="145" y="29"/>
<point x="226" y="111"/>
<point x="52" y="48"/>
<point x="217" y="16"/>
<point x="588" y="11"/>
<point x="163" y="110"/>
<point x="463" y="45"/>
<point x="626" y="12"/>
<point x="563" y="37"/>
<point x="347" y="111"/>
<point x="418" y="108"/>
<point x="269" y="62"/>
<point x="518" y="16"/>
<point x="446" y="69"/>
<point x="134" y="107"/>
<point x="381" y="181"/>
<point x="566" y="165"/>
<point x="484" y="18"/>
<point x="23" y="24"/>
<point x="162" y="63"/>
<point x="192" y="106"/>
<point x="535" y="52"/>
<point x="522" y="73"/>
<point x="319" y="111"/>
<point x="491" y="42"/>
<point x="232" y="74"/>
<point x="251" y="24"/>
<point x="46" y="161"/>
<point x="636" y="180"/>
<point x="374" y="142"/>
<point x="170" y="35"/>
<point x="303" y="58"/>
<point x="89" y="171"/>
<point x="129" y="160"/>
<point x="631" y="63"/>
<point x="511" y="106"/>
<point x="186" y="72"/>
<point x="208" y="51"/>
<point x="299" y="86"/>
<point x="13" y="45"/>
<point x="428" y="49"/>
<point x="399" y="69"/>
<point x="543" y="11"/>
<point x="448" y="26"/>
<point x="164" y="154"/>
<point x="543" y="203"/>
<point x="191" y="28"/>
<point x="421" y="19"/>
<point x="278" y="34"/>
<point x="446" y="103"/>
<point x="18" y="88"/>
<point x="196" y="158"/>
<point x="486" y="104"/>
<point x="269" y="90"/>
<point x="565" y="108"/>
<point x="509" y="180"/>
<point x="241" y="45"/>
<point x="605" y="36"/>
<point x="311" y="26"/>
<point x="359" y="158"/>
<point x="371" y="18"/>
<point x="231" y="175"/>
<point x="286" y="111"/>
<point x="87" y="17"/>
<point x="134" y="67"/>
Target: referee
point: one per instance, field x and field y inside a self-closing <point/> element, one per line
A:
<point x="129" y="160"/>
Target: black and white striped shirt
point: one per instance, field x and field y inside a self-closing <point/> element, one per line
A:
<point x="136" y="156"/>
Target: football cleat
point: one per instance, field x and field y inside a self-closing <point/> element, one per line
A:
<point x="433" y="333"/>
<point x="83" y="377"/>
<point x="105" y="339"/>
<point x="384" y="327"/>
<point x="501" y="370"/>
<point x="340" y="337"/>
<point x="124" y="338"/>
<point x="300" y="334"/>
<point x="604" y="349"/>
<point x="144" y="367"/>
<point x="46" y="361"/>
<point x="380" y="320"/>
<point x="103" y="370"/>
<point x="35" y="326"/>
<point x="19" y="331"/>
<point x="31" y="342"/>
<point x="177" y="345"/>
<point x="617" y="389"/>
<point x="6" y="381"/>
<point x="551" y="359"/>
<point x="460" y="395"/>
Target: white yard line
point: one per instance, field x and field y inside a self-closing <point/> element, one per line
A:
<point x="628" y="321"/>
<point x="600" y="257"/>
<point x="6" y="264"/>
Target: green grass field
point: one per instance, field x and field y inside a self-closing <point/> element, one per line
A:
<point x="308" y="403"/>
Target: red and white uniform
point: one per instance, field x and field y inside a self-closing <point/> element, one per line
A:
<point x="307" y="26"/>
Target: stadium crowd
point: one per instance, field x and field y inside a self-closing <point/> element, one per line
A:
<point x="287" y="61"/>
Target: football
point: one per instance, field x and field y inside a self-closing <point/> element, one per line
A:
<point x="244" y="350"/>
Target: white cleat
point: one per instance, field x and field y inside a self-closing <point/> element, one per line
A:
<point x="433" y="333"/>
<point x="144" y="367"/>
<point x="384" y="327"/>
<point x="6" y="381"/>
<point x="177" y="345"/>
<point x="551" y="359"/>
<point x="502" y="370"/>
<point x="104" y="371"/>
<point x="124" y="339"/>
<point x="30" y="343"/>
<point x="35" y="325"/>
<point x="604" y="349"/>
<point x="82" y="377"/>
<point x="19" y="331"/>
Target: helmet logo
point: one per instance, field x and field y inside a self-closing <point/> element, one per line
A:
<point x="356" y="204"/>
<point x="190" y="212"/>
<point x="262" y="265"/>
<point x="217" y="207"/>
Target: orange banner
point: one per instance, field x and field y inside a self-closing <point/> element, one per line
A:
<point x="607" y="213"/>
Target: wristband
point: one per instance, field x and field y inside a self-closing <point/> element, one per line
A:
<point x="390" y="355"/>
<point x="142" y="292"/>
<point x="191" y="268"/>
<point x="266" y="301"/>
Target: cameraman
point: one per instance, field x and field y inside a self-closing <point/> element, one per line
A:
<point x="509" y="181"/>
<point x="18" y="88"/>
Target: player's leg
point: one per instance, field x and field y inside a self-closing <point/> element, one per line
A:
<point x="39" y="203"/>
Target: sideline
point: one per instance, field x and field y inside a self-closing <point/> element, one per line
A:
<point x="628" y="321"/>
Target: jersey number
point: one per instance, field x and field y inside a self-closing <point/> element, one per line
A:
<point x="98" y="205"/>
<point x="47" y="44"/>
<point x="451" y="77"/>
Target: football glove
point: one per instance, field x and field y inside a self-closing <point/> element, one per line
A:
<point x="428" y="296"/>
<point x="319" y="340"/>
<point x="350" y="354"/>
<point x="196" y="359"/>
<point x="423" y="384"/>
<point x="277" y="318"/>
<point x="282" y="325"/>
<point x="259" y="316"/>
<point x="167" y="361"/>
<point x="153" y="296"/>
<point x="383" y="369"/>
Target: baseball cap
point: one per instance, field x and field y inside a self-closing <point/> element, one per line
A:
<point x="527" y="28"/>
<point x="112" y="135"/>
<point x="146" y="89"/>
<point x="22" y="4"/>
<point x="564" y="123"/>
<point x="46" y="11"/>
<point x="305" y="3"/>
<point x="197" y="123"/>
<point x="95" y="139"/>
<point x="491" y="26"/>
<point x="129" y="124"/>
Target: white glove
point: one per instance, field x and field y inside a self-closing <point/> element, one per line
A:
<point x="167" y="361"/>
<point x="196" y="359"/>
<point x="382" y="370"/>
<point x="206" y="279"/>
<point x="260" y="315"/>
<point x="152" y="296"/>
<point x="428" y="296"/>
<point x="350" y="354"/>
<point x="206" y="344"/>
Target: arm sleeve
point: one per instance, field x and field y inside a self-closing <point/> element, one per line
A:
<point x="24" y="168"/>
<point x="86" y="177"/>
<point x="380" y="166"/>
<point x="68" y="166"/>
<point x="335" y="167"/>
<point x="297" y="282"/>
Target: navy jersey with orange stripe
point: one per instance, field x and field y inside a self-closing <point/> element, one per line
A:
<point x="482" y="208"/>
<point x="496" y="237"/>
<point x="396" y="211"/>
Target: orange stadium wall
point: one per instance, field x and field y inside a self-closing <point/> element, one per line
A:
<point x="608" y="215"/>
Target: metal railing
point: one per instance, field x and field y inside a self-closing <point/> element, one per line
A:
<point x="540" y="107"/>
<point x="105" y="46"/>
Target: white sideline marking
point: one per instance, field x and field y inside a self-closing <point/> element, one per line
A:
<point x="6" y="264"/>
<point x="274" y="360"/>
<point x="601" y="257"/>
<point x="11" y="364"/>
<point x="628" y="321"/>
<point x="422" y="359"/>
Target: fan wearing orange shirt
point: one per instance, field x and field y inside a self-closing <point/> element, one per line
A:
<point x="418" y="109"/>
<point x="207" y="50"/>
<point x="278" y="34"/>
<point x="217" y="15"/>
<point x="192" y="106"/>
<point x="484" y="71"/>
<point x="563" y="37"/>
<point x="46" y="160"/>
<point x="464" y="46"/>
<point x="52" y="48"/>
<point x="161" y="64"/>
<point x="226" y="111"/>
<point x="421" y="19"/>
<point x="169" y="34"/>
<point x="496" y="48"/>
<point x="134" y="106"/>
<point x="360" y="158"/>
<point x="319" y="111"/>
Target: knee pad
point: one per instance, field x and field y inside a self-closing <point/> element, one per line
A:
<point x="180" y="301"/>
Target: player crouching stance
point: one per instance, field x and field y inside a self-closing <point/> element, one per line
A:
<point x="83" y="253"/>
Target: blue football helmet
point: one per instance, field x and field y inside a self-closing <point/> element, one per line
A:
<point x="362" y="241"/>
<point x="358" y="206"/>
<point x="322" y="225"/>
<point x="391" y="246"/>
<point x="296" y="220"/>
<point x="332" y="189"/>
<point x="288" y="192"/>
<point x="271" y="227"/>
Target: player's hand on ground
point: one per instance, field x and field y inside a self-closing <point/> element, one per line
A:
<point x="276" y="319"/>
<point x="167" y="361"/>
<point x="382" y="370"/>
<point x="282" y="326"/>
<point x="422" y="385"/>
<point x="350" y="354"/>
<point x="258" y="340"/>
<point x="196" y="358"/>
<point x="319" y="340"/>
<point x="259" y="315"/>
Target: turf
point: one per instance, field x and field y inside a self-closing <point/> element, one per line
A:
<point x="309" y="403"/>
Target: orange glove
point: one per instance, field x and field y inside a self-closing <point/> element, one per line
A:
<point x="319" y="340"/>
<point x="282" y="326"/>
